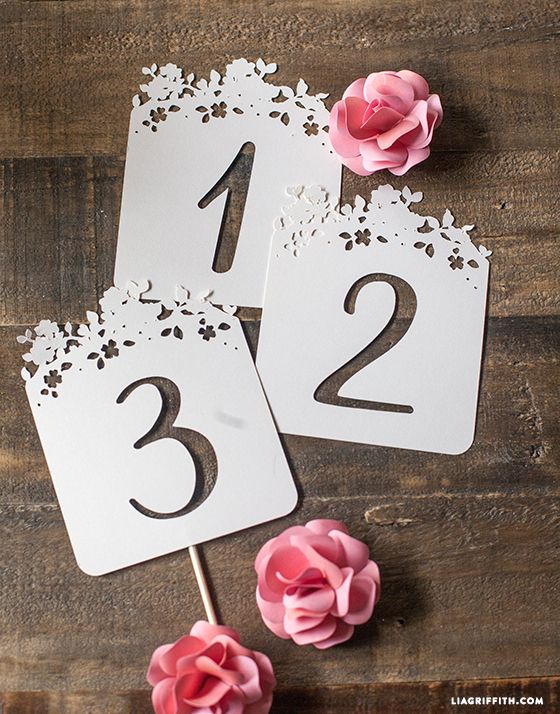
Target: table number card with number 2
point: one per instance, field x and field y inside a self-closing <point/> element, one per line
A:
<point x="155" y="428"/>
<point x="373" y="322"/>
<point x="206" y="169"/>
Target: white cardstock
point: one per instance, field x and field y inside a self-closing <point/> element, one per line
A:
<point x="207" y="166"/>
<point x="373" y="322"/>
<point x="155" y="428"/>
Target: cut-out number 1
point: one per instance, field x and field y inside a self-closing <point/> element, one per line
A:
<point x="328" y="391"/>
<point x="235" y="180"/>
<point x="201" y="450"/>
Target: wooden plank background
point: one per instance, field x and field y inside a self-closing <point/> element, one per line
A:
<point x="468" y="545"/>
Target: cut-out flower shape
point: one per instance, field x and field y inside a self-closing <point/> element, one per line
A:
<point x="47" y="328"/>
<point x="360" y="237"/>
<point x="219" y="111"/>
<point x="112" y="302"/>
<point x="314" y="194"/>
<point x="171" y="71"/>
<point x="240" y="68"/>
<point x="207" y="332"/>
<point x="110" y="350"/>
<point x="311" y="128"/>
<point x="52" y="380"/>
<point x="455" y="262"/>
<point x="158" y="115"/>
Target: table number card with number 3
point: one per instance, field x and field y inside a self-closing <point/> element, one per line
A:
<point x="381" y="314"/>
<point x="155" y="428"/>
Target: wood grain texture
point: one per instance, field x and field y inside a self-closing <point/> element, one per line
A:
<point x="399" y="698"/>
<point x="70" y="69"/>
<point x="468" y="545"/>
<point x="59" y="219"/>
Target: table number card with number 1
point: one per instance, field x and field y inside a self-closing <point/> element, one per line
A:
<point x="206" y="169"/>
<point x="155" y="428"/>
<point x="381" y="312"/>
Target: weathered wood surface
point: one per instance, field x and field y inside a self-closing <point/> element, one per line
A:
<point x="468" y="545"/>
<point x="397" y="698"/>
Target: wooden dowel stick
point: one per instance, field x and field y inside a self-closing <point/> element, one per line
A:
<point x="203" y="585"/>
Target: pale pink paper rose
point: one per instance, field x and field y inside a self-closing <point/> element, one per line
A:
<point x="385" y="121"/>
<point x="315" y="583"/>
<point x="209" y="672"/>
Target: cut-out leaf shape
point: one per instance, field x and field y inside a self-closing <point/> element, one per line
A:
<point x="484" y="251"/>
<point x="215" y="76"/>
<point x="204" y="295"/>
<point x="181" y="294"/>
<point x="269" y="68"/>
<point x="419" y="244"/>
<point x="467" y="228"/>
<point x="302" y="87"/>
<point x="177" y="332"/>
<point x="448" y="219"/>
<point x="407" y="193"/>
<point x="136" y="290"/>
<point x="322" y="95"/>
<point x="146" y="70"/>
<point x="432" y="222"/>
<point x="360" y="203"/>
<point x="136" y="101"/>
<point x="25" y="374"/>
<point x="229" y="309"/>
<point x="154" y="67"/>
<point x="430" y="250"/>
<point x="416" y="197"/>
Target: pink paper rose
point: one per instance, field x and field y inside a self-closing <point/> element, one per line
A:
<point x="209" y="672"/>
<point x="315" y="582"/>
<point x="385" y="121"/>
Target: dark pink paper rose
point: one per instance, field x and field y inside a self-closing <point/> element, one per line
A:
<point x="315" y="583"/>
<point x="210" y="672"/>
<point x="385" y="121"/>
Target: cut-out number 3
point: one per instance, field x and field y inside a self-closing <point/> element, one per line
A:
<point x="201" y="450"/>
<point x="328" y="391"/>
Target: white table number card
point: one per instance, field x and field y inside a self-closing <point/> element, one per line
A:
<point x="155" y="428"/>
<point x="189" y="143"/>
<point x="373" y="322"/>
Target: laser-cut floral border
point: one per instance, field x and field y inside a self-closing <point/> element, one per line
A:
<point x="125" y="321"/>
<point x="364" y="224"/>
<point x="242" y="89"/>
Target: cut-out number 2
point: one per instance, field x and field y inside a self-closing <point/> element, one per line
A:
<point x="328" y="391"/>
<point x="236" y="177"/>
<point x="201" y="450"/>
